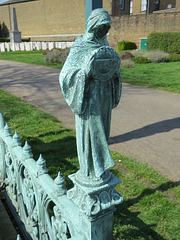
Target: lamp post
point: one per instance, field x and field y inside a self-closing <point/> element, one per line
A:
<point x="91" y="5"/>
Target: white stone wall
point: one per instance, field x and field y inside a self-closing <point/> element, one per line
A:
<point x="29" y="46"/>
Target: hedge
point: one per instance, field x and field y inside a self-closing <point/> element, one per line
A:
<point x="126" y="45"/>
<point x="165" y="41"/>
<point x="141" y="60"/>
<point x="8" y="40"/>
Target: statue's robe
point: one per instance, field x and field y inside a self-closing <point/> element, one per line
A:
<point x="91" y="101"/>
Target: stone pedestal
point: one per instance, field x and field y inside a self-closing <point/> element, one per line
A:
<point x="15" y="36"/>
<point x="99" y="227"/>
<point x="96" y="199"/>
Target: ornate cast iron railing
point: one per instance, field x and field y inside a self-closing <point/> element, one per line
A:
<point x="47" y="211"/>
<point x="31" y="190"/>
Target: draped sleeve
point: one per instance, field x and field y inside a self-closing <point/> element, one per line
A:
<point x="73" y="82"/>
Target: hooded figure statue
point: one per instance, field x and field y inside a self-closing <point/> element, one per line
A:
<point x="91" y="83"/>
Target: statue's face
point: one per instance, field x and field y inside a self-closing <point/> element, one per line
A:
<point x="102" y="31"/>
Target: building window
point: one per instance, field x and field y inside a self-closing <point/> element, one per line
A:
<point x="121" y="4"/>
<point x="156" y="5"/>
<point x="143" y="5"/>
<point x="131" y="6"/>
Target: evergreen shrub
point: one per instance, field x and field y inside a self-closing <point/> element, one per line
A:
<point x="174" y="57"/>
<point x="165" y="41"/>
<point x="141" y="60"/>
<point x="8" y="40"/>
<point x="126" y="45"/>
<point x="4" y="40"/>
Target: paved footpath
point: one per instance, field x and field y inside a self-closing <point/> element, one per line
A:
<point x="145" y="125"/>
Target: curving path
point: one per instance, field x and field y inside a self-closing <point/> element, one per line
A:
<point x="145" y="125"/>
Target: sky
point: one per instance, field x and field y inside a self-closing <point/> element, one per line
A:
<point x="2" y="1"/>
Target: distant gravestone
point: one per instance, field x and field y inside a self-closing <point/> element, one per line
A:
<point x="44" y="46"/>
<point x="51" y="45"/>
<point x="15" y="35"/>
<point x="63" y="45"/>
<point x="31" y="45"/>
<point x="27" y="46"/>
<point x="69" y="44"/>
<point x="8" y="47"/>
<point x="38" y="46"/>
<point x="22" y="46"/>
<point x="12" y="47"/>
<point x="2" y="47"/>
<point x="57" y="45"/>
<point x="17" y="47"/>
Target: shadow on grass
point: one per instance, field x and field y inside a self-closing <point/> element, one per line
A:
<point x="60" y="155"/>
<point x="128" y="224"/>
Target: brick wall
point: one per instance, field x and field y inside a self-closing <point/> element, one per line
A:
<point x="135" y="27"/>
<point x="48" y="17"/>
<point x="64" y="19"/>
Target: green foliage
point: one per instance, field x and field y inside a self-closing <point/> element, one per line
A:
<point x="126" y="45"/>
<point x="8" y="40"/>
<point x="4" y="31"/>
<point x="25" y="39"/>
<point x="4" y="39"/>
<point x="0" y="31"/>
<point x="165" y="76"/>
<point x="174" y="57"/>
<point x="141" y="60"/>
<point x="57" y="56"/>
<point x="165" y="41"/>
<point x="31" y="57"/>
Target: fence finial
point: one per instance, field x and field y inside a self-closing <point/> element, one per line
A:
<point x="41" y="165"/>
<point x="59" y="185"/>
<point x="27" y="151"/>
<point x="16" y="140"/>
<point x="7" y="131"/>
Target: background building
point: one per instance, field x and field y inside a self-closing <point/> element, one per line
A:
<point x="63" y="20"/>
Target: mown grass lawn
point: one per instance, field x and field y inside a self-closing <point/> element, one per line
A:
<point x="151" y="202"/>
<point x="164" y="76"/>
<point x="31" y="57"/>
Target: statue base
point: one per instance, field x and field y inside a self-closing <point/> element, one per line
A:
<point x="95" y="196"/>
<point x="15" y="36"/>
